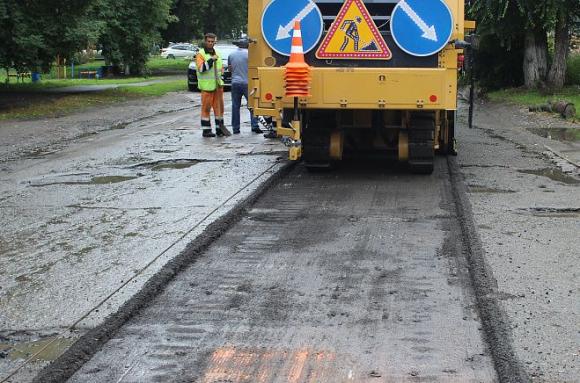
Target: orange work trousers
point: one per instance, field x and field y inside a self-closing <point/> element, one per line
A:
<point x="212" y="100"/>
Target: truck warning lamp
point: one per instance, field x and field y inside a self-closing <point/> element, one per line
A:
<point x="268" y="96"/>
<point x="433" y="98"/>
<point x="460" y="60"/>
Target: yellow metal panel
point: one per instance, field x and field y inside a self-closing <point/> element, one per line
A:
<point x="469" y="25"/>
<point x="367" y="88"/>
<point x="371" y="88"/>
<point x="457" y="11"/>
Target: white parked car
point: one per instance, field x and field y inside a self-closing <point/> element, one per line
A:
<point x="179" y="50"/>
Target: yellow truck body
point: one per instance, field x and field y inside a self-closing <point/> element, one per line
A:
<point x="372" y="105"/>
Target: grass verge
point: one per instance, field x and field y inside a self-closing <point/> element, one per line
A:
<point x="41" y="105"/>
<point x="49" y="84"/>
<point x="159" y="64"/>
<point x="533" y="97"/>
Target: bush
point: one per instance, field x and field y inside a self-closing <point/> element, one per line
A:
<point x="573" y="70"/>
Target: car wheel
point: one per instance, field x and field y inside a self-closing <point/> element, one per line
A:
<point x="171" y="57"/>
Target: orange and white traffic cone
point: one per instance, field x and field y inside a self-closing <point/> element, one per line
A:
<point x="297" y="74"/>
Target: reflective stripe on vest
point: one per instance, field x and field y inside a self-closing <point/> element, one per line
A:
<point x="206" y="81"/>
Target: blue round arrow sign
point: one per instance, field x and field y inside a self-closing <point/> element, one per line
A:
<point x="278" y="23"/>
<point x="421" y="27"/>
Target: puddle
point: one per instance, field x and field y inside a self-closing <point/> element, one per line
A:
<point x="110" y="180"/>
<point x="485" y="189"/>
<point x="182" y="163"/>
<point x="175" y="165"/>
<point x="119" y="125"/>
<point x="553" y="174"/>
<point x="39" y="153"/>
<point x="101" y="180"/>
<point x="47" y="351"/>
<point x="559" y="134"/>
<point x="553" y="212"/>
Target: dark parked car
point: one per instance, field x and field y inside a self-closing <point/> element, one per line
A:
<point x="224" y="51"/>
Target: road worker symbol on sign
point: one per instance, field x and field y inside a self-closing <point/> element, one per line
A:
<point x="353" y="35"/>
<point x="350" y="29"/>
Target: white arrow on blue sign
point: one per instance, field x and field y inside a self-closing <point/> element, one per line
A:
<point x="278" y="23"/>
<point x="421" y="27"/>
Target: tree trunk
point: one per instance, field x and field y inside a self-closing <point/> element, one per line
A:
<point x="557" y="74"/>
<point x="535" y="57"/>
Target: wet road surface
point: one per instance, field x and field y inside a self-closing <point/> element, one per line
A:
<point x="356" y="275"/>
<point x="85" y="224"/>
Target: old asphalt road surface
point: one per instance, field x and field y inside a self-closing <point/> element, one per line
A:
<point x="351" y="276"/>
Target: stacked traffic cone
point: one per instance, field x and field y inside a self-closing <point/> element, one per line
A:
<point x="297" y="71"/>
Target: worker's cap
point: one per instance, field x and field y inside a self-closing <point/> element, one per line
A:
<point x="242" y="43"/>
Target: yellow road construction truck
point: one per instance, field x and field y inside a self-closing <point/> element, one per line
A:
<point x="383" y="76"/>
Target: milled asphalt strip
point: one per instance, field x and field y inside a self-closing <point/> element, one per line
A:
<point x="83" y="349"/>
<point x="493" y="318"/>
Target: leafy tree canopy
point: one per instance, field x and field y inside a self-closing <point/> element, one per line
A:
<point x="227" y="19"/>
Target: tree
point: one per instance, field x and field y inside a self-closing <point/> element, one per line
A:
<point x="16" y="32"/>
<point x="566" y="12"/>
<point x="66" y="27"/>
<point x="131" y="28"/>
<point x="508" y="21"/>
<point x="188" y="24"/>
<point x="195" y="17"/>
<point x="225" y="18"/>
<point x="34" y="32"/>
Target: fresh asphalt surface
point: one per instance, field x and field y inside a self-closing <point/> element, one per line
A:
<point x="354" y="275"/>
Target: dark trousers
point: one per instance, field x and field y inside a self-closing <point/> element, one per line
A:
<point x="239" y="90"/>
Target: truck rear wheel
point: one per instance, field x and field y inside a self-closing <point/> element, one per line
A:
<point x="447" y="139"/>
<point x="316" y="141"/>
<point x="421" y="150"/>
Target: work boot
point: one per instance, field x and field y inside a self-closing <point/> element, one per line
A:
<point x="207" y="133"/>
<point x="236" y="131"/>
<point x="271" y="134"/>
<point x="219" y="132"/>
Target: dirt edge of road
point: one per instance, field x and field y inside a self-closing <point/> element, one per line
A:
<point x="494" y="320"/>
<point x="90" y="343"/>
<point x="42" y="139"/>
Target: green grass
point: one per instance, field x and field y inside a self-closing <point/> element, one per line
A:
<point x="532" y="97"/>
<point x="58" y="105"/>
<point x="47" y="84"/>
<point x="157" y="63"/>
<point x="158" y="89"/>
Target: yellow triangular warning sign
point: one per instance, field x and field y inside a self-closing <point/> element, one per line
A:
<point x="353" y="35"/>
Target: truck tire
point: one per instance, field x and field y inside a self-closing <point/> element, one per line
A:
<point x="316" y="142"/>
<point x="421" y="149"/>
<point x="447" y="144"/>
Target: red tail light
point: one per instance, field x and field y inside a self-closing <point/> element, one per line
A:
<point x="460" y="61"/>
